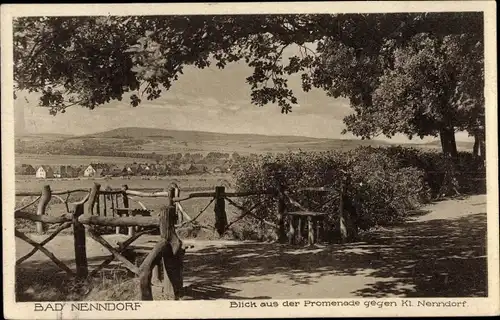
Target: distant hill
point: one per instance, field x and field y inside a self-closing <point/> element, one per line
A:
<point x="162" y="141"/>
<point x="142" y="133"/>
<point x="134" y="141"/>
<point x="137" y="142"/>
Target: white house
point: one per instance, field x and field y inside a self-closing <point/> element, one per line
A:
<point x="89" y="171"/>
<point x="44" y="172"/>
<point x="96" y="169"/>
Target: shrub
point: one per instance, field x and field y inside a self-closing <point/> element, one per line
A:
<point x="386" y="189"/>
<point x="465" y="174"/>
<point x="382" y="184"/>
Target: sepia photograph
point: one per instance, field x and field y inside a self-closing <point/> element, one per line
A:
<point x="271" y="159"/>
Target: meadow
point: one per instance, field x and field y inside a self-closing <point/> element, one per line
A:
<point x="195" y="182"/>
<point x="187" y="184"/>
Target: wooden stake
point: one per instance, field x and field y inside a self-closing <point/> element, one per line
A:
<point x="319" y="221"/>
<point x="98" y="204"/>
<point x="171" y="196"/>
<point x="281" y="217"/>
<point x="42" y="206"/>
<point x="104" y="205"/>
<point x="158" y="273"/>
<point x="341" y="224"/>
<point x="176" y="194"/>
<point x="94" y="194"/>
<point x="169" y="249"/>
<point x="291" y="232"/>
<point x="299" y="230"/>
<point x="114" y="207"/>
<point x="310" y="229"/>
<point x="146" y="267"/>
<point x="79" y="243"/>
<point x="220" y="210"/>
<point x="173" y="255"/>
<point x="131" y="229"/>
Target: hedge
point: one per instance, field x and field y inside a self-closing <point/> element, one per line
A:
<point x="383" y="185"/>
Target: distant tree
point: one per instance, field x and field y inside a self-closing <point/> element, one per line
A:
<point x="197" y="157"/>
<point x="187" y="158"/>
<point x="235" y="156"/>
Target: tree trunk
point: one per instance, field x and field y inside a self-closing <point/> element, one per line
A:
<point x="448" y="142"/>
<point x="450" y="183"/>
<point x="453" y="143"/>
<point x="444" y="143"/>
<point x="348" y="227"/>
<point x="475" y="149"/>
<point x="482" y="144"/>
<point x="483" y="150"/>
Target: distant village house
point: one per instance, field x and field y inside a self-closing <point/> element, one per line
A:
<point x="96" y="170"/>
<point x="44" y="172"/>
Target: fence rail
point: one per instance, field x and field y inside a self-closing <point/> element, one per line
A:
<point x="167" y="254"/>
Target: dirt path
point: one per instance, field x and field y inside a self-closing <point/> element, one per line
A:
<point x="440" y="253"/>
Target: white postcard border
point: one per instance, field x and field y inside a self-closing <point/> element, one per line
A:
<point x="221" y="308"/>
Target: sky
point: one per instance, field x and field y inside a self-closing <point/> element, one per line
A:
<point x="201" y="100"/>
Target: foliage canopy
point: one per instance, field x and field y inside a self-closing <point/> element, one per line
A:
<point x="418" y="74"/>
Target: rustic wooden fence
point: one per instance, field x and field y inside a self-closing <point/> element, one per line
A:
<point x="111" y="208"/>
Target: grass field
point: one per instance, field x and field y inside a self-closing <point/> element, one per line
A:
<point x="187" y="184"/>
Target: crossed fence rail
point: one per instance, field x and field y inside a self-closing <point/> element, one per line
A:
<point x="165" y="260"/>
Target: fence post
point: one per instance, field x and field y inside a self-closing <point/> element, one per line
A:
<point x="104" y="204"/>
<point x="158" y="272"/>
<point x="98" y="205"/>
<point x="291" y="231"/>
<point x="172" y="261"/>
<point x="176" y="194"/>
<point x="94" y="194"/>
<point x="342" y="223"/>
<point x="310" y="229"/>
<point x="281" y="216"/>
<point x="114" y="208"/>
<point x="42" y="206"/>
<point x="299" y="229"/>
<point x="171" y="203"/>
<point x="79" y="242"/>
<point x="131" y="229"/>
<point x="156" y="275"/>
<point x="220" y="210"/>
<point x="319" y="222"/>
